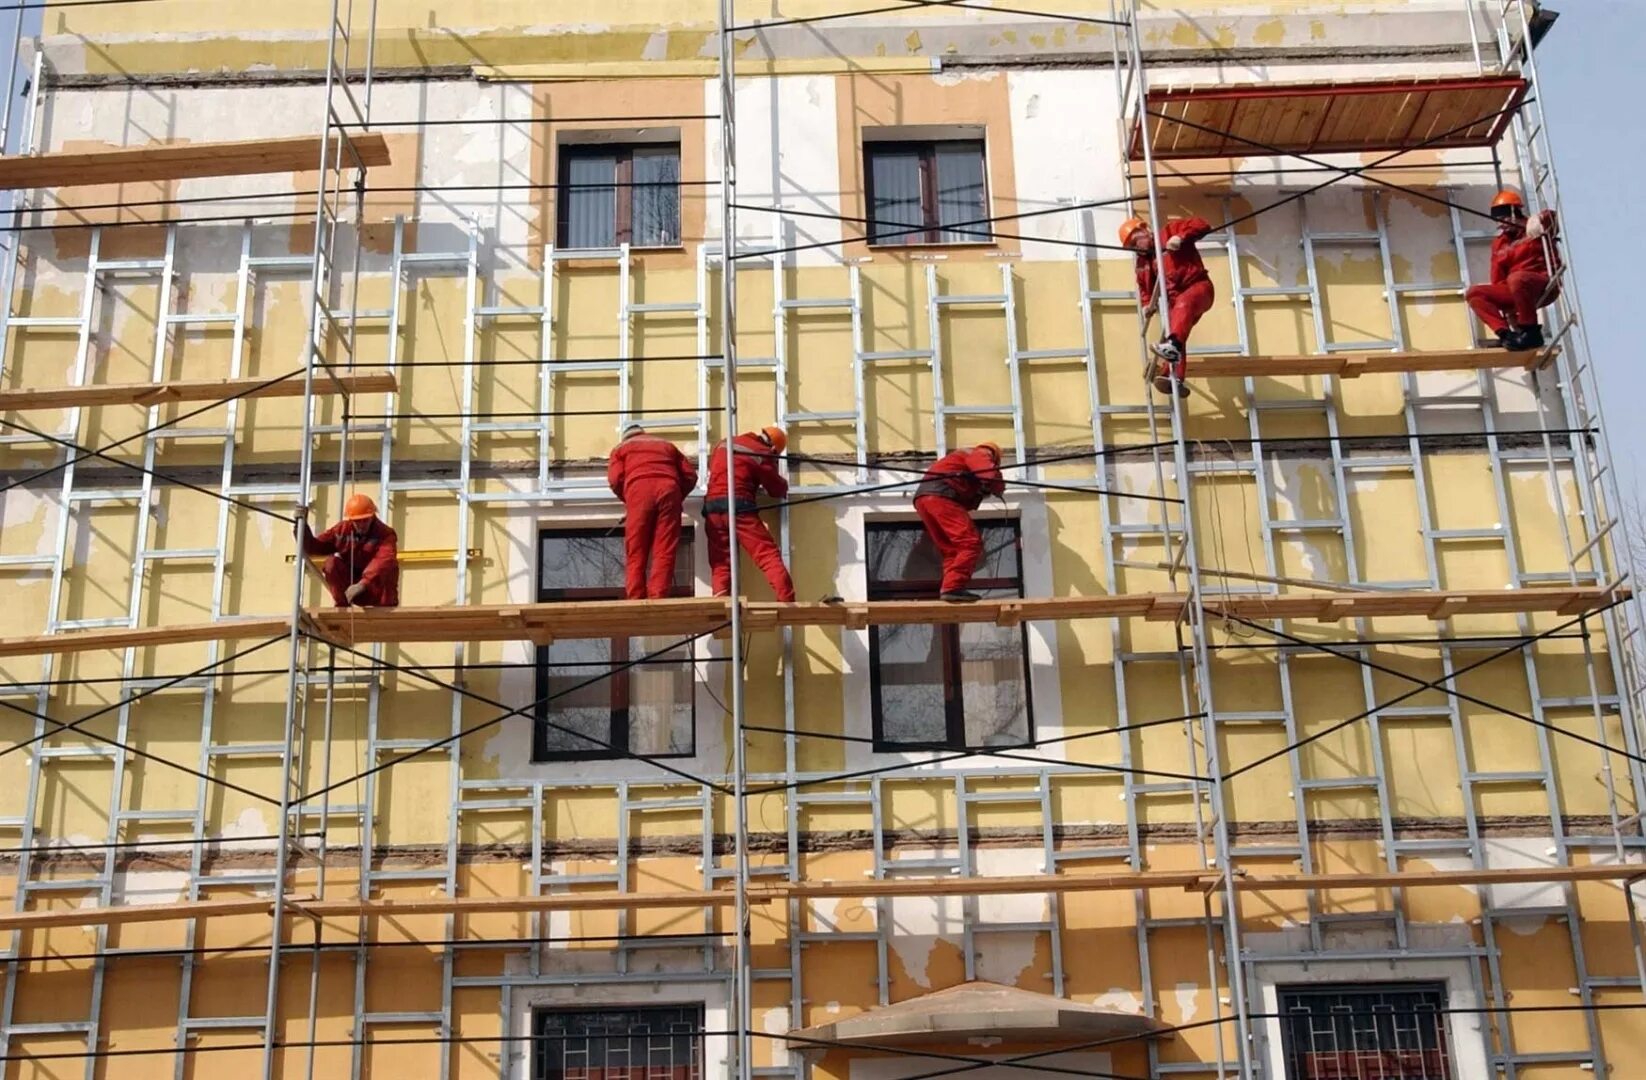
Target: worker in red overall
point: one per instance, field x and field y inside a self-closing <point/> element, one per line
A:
<point x="1189" y="291"/>
<point x="653" y="478"/>
<point x="362" y="567"/>
<point x="1521" y="274"/>
<point x="952" y="488"/>
<point x="757" y="454"/>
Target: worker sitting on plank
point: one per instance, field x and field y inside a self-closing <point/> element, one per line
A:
<point x="1189" y="291"/>
<point x="757" y="454"/>
<point x="362" y="567"/>
<point x="1520" y="273"/>
<point x="952" y="488"/>
<point x="653" y="478"/>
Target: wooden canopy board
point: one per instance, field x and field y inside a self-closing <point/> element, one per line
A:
<point x="1329" y="118"/>
<point x="181" y="161"/>
<point x="543" y="623"/>
<point x="70" y="397"/>
<point x="1351" y="365"/>
<point x="307" y="908"/>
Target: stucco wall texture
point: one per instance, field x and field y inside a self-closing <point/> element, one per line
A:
<point x="479" y="99"/>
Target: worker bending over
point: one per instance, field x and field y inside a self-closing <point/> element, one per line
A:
<point x="653" y="478"/>
<point x="362" y="567"/>
<point x="757" y="454"/>
<point x="1189" y="291"/>
<point x="952" y="488"/>
<point x="1520" y="273"/>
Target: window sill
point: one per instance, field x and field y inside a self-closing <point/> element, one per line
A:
<point x="959" y="245"/>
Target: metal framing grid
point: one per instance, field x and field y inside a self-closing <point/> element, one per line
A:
<point x="316" y="678"/>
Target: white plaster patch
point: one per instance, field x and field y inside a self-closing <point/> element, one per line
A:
<point x="1507" y="852"/>
<point x="1120" y="999"/>
<point x="777" y="1022"/>
<point x="147" y="888"/>
<point x="250" y="822"/>
<point x="1188" y="1001"/>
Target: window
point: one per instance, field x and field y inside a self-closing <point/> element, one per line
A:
<point x="651" y="1043"/>
<point x="619" y="194"/>
<point x="927" y="192"/>
<point x="648" y="709"/>
<point x="951" y="686"/>
<point x="1392" y="1031"/>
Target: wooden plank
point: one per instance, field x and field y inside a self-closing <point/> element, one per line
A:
<point x="703" y="615"/>
<point x="1353" y="365"/>
<point x="178" y="161"/>
<point x="69" y="397"/>
<point x="300" y="907"/>
<point x="988" y="886"/>
<point x="75" y="641"/>
<point x="1418" y="879"/>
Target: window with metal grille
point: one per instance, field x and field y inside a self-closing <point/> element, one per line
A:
<point x="952" y="687"/>
<point x="926" y="192"/>
<point x="651" y="1043"/>
<point x="1382" y="1031"/>
<point x="613" y="194"/>
<point x="647" y="709"/>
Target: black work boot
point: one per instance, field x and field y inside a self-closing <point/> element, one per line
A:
<point x="1529" y="337"/>
<point x="960" y="596"/>
<point x="1506" y="338"/>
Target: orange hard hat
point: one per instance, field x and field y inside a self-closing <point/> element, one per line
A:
<point x="358" y="507"/>
<point x="777" y="437"/>
<point x="992" y="448"/>
<point x="1507" y="200"/>
<point x="1130" y="229"/>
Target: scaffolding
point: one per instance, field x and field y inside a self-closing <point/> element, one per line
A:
<point x="337" y="658"/>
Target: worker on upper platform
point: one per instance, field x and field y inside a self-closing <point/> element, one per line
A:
<point x="1189" y="291"/>
<point x="757" y="455"/>
<point x="952" y="488"/>
<point x="653" y="478"/>
<point x="1523" y="279"/>
<point x="362" y="567"/>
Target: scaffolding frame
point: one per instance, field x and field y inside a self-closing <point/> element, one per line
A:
<point x="1591" y="561"/>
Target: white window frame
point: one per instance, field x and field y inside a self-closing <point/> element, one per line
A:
<point x="713" y="995"/>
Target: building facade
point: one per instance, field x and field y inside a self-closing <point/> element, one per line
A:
<point x="326" y="851"/>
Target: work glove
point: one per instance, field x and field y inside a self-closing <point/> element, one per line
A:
<point x="352" y="593"/>
<point x="1174" y="243"/>
<point x="1150" y="310"/>
<point x="1534" y="227"/>
<point x="299" y="519"/>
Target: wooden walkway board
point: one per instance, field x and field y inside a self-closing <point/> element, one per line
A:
<point x="69" y="397"/>
<point x="544" y="623"/>
<point x="1350" y="365"/>
<point x="1186" y="880"/>
<point x="179" y="161"/>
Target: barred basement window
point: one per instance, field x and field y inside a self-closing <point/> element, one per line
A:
<point x="614" y="194"/>
<point x="1381" y="1031"/>
<point x="926" y="192"/>
<point x="950" y="687"/>
<point x="651" y="1043"/>
<point x="649" y="709"/>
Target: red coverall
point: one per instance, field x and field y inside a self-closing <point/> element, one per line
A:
<point x="953" y="487"/>
<point x="1520" y="274"/>
<point x="652" y="477"/>
<point x="370" y="558"/>
<point x="756" y="469"/>
<point x="1189" y="291"/>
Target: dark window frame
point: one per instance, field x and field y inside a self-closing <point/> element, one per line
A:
<point x="551" y="1043"/>
<point x="933" y="229"/>
<point x="619" y="731"/>
<point x="1345" y="1012"/>
<point x="622" y="182"/>
<point x="949" y="633"/>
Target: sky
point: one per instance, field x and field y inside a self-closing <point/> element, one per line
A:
<point x="1593" y="88"/>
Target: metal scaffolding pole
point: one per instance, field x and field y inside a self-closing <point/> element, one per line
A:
<point x="742" y="978"/>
